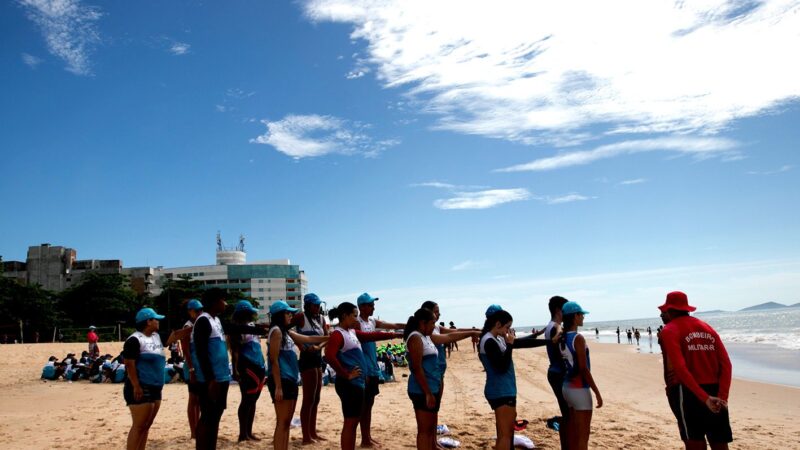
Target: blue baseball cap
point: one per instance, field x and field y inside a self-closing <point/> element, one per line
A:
<point x="147" y="314"/>
<point x="244" y="305"/>
<point x="194" y="304"/>
<point x="281" y="306"/>
<point x="572" y="308"/>
<point x="493" y="309"/>
<point x="365" y="298"/>
<point x="312" y="298"/>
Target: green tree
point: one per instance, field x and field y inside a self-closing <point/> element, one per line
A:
<point x="171" y="302"/>
<point x="35" y="307"/>
<point x="100" y="299"/>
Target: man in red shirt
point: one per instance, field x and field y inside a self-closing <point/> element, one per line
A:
<point x="94" y="350"/>
<point x="700" y="376"/>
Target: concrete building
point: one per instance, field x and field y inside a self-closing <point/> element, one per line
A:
<point x="265" y="281"/>
<point x="56" y="268"/>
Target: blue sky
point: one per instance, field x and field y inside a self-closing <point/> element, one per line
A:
<point x="455" y="151"/>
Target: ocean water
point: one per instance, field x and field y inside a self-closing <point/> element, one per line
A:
<point x="763" y="345"/>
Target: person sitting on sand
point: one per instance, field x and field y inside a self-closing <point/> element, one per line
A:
<point x="700" y="376"/>
<point x="424" y="382"/>
<point x="495" y="353"/>
<point x="578" y="378"/>
<point x="344" y="353"/>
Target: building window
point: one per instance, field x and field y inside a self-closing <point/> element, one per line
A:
<point x="260" y="289"/>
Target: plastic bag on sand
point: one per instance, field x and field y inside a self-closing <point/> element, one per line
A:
<point x="523" y="441"/>
<point x="295" y="422"/>
<point x="442" y="429"/>
<point x="449" y="442"/>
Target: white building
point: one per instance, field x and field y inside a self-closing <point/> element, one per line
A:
<point x="265" y="281"/>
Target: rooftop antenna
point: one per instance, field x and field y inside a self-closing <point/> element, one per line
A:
<point x="241" y="243"/>
<point x="219" y="242"/>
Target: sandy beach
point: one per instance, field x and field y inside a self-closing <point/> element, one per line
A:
<point x="37" y="414"/>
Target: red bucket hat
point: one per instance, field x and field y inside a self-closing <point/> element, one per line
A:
<point x="677" y="300"/>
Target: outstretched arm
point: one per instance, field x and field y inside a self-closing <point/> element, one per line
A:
<point x="303" y="339"/>
<point x="454" y="336"/>
<point x="376" y="336"/>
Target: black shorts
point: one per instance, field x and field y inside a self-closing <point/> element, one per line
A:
<point x="502" y="401"/>
<point x="418" y="400"/>
<point x="216" y="401"/>
<point x="372" y="388"/>
<point x="352" y="397"/>
<point x="695" y="420"/>
<point x="289" y="388"/>
<point x="194" y="388"/>
<point x="251" y="378"/>
<point x="310" y="360"/>
<point x="150" y="393"/>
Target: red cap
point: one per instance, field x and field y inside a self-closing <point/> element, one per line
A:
<point x="677" y="300"/>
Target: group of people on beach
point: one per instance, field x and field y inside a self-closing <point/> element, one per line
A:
<point x="695" y="364"/>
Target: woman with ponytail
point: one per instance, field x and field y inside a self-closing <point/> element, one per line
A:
<point x="425" y="380"/>
<point x="578" y="379"/>
<point x="282" y="369"/>
<point x="494" y="351"/>
<point x="343" y="352"/>
<point x="311" y="323"/>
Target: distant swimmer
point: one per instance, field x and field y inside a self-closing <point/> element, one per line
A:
<point x="697" y="372"/>
<point x="578" y="380"/>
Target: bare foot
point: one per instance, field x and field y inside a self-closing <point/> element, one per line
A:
<point x="243" y="438"/>
<point x="253" y="437"/>
<point x="371" y="444"/>
<point x="317" y="437"/>
<point x="308" y="441"/>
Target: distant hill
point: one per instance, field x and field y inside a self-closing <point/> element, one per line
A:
<point x="768" y="305"/>
<point x="796" y="305"/>
<point x="713" y="311"/>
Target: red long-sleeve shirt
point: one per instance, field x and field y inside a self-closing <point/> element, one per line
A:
<point x="697" y="356"/>
<point x="336" y="342"/>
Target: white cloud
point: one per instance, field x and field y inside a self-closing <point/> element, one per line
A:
<point x="222" y="108"/>
<point x="482" y="199"/>
<point x="179" y="48"/>
<point x="69" y="30"/>
<point x="303" y="136"/>
<point x="561" y="72"/>
<point x="464" y="265"/>
<point x="239" y="94"/>
<point x="700" y="148"/>
<point x="435" y="184"/>
<point x="784" y="168"/>
<point x="30" y="60"/>
<point x="566" y="199"/>
<point x="634" y="181"/>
